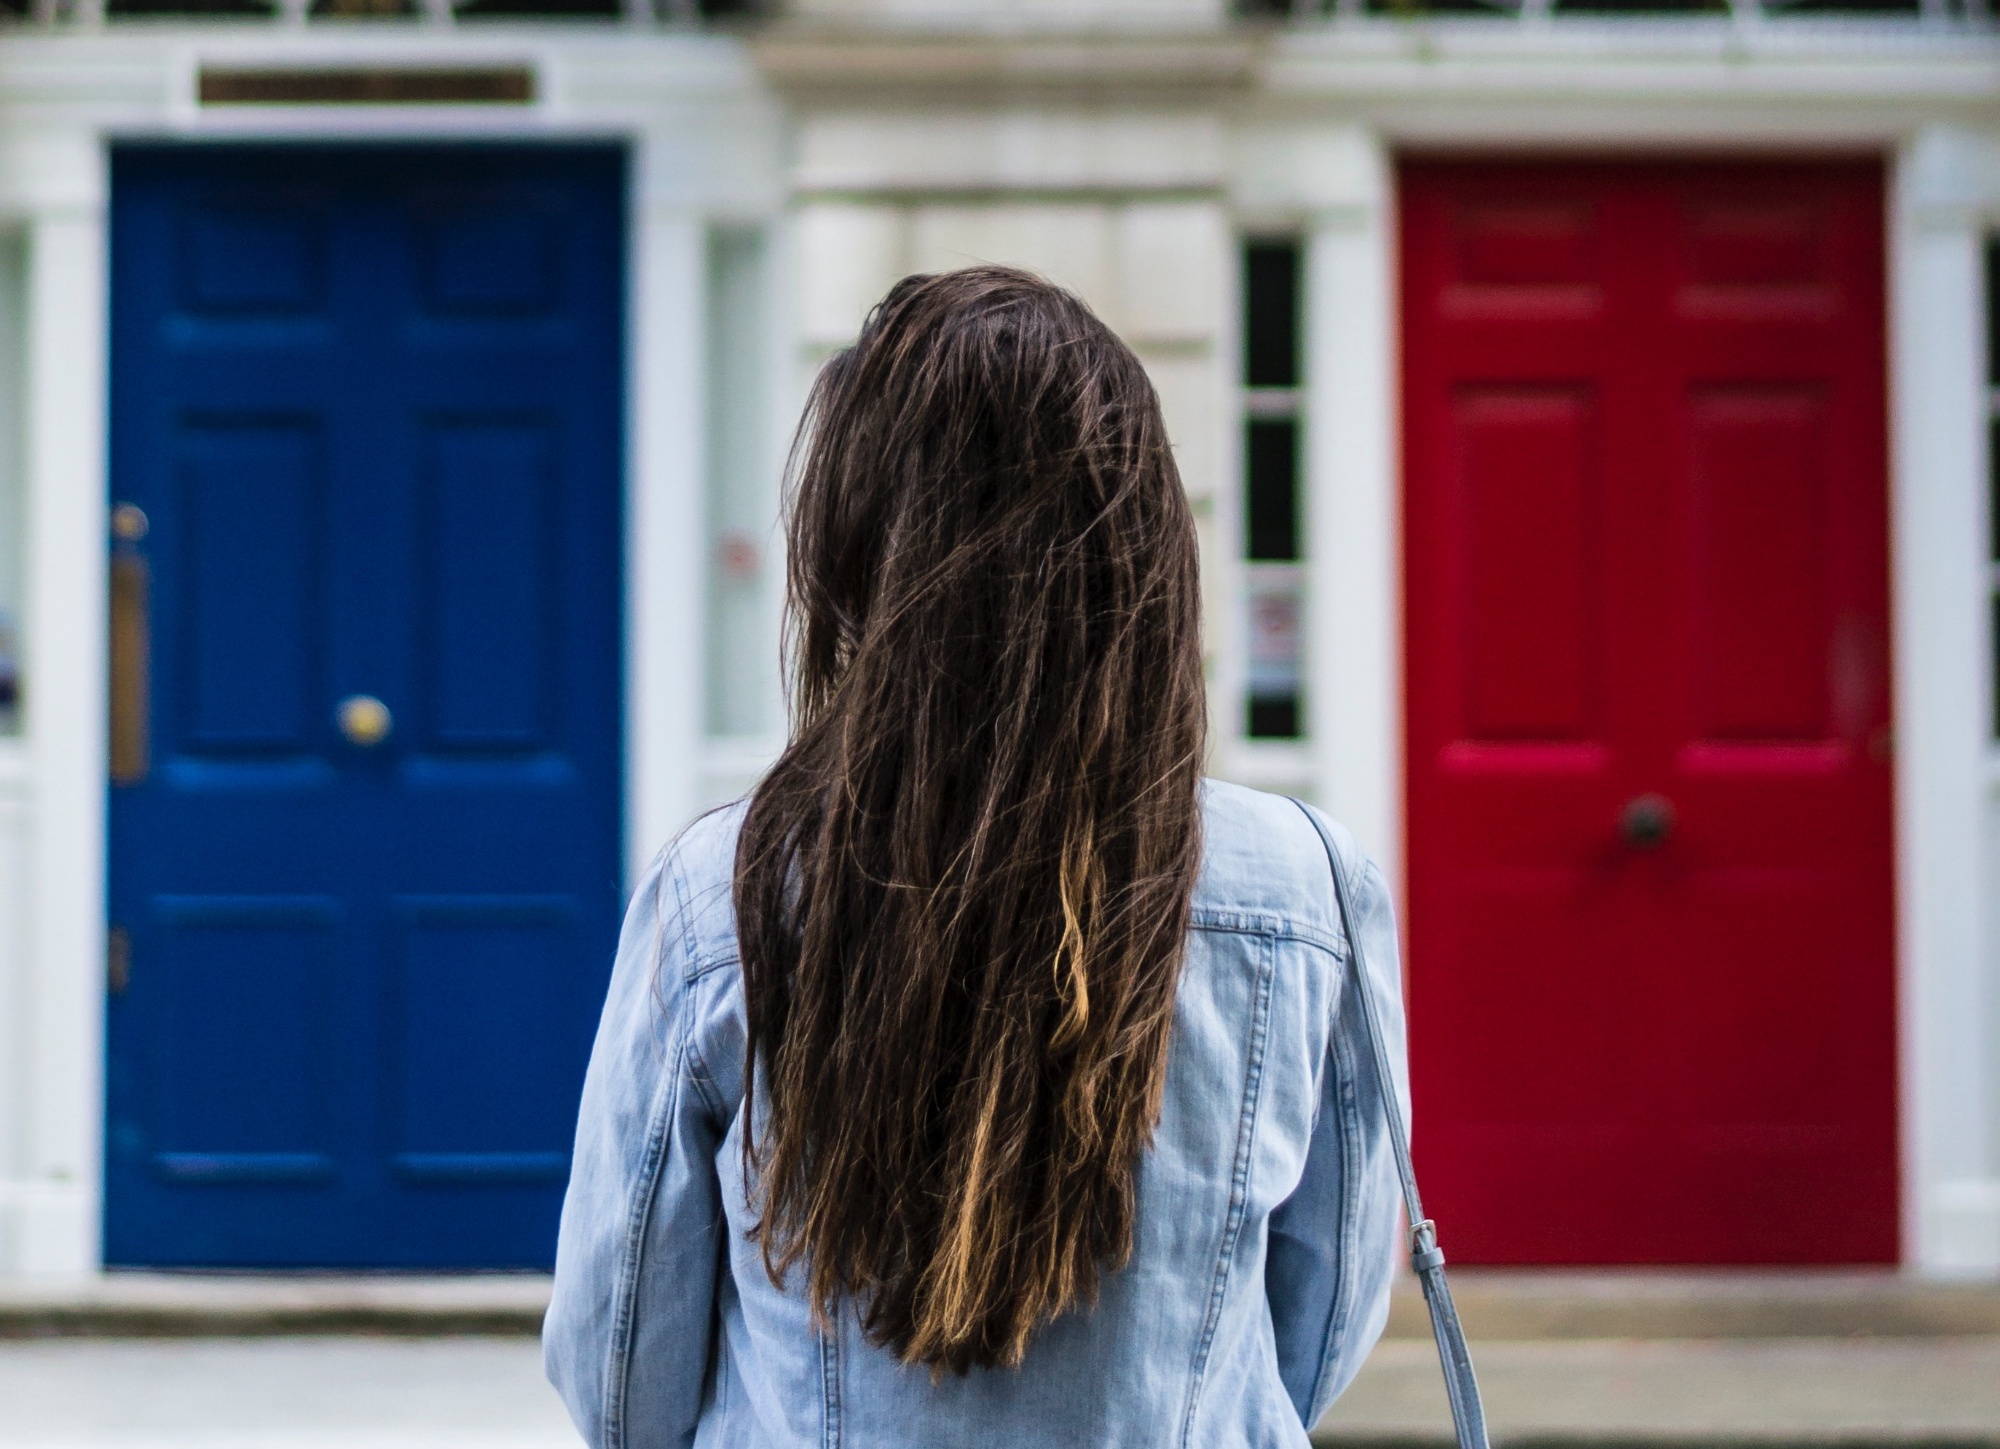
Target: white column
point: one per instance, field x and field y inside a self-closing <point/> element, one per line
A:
<point x="1942" y="690"/>
<point x="664" y="555"/>
<point x="1354" y="675"/>
<point x="54" y="1201"/>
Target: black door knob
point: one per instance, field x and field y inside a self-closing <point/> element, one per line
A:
<point x="1645" y="821"/>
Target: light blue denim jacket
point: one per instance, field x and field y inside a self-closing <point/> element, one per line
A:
<point x="1267" y="1211"/>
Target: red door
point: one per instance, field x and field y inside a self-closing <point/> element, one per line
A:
<point x="1651" y="935"/>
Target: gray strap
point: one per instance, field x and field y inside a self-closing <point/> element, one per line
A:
<point x="1468" y="1416"/>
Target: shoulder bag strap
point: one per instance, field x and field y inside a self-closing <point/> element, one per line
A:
<point x="1468" y="1417"/>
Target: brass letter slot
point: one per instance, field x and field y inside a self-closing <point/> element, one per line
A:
<point x="511" y="85"/>
<point x="131" y="668"/>
<point x="118" y="960"/>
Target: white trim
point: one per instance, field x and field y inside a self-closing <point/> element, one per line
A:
<point x="1942" y="685"/>
<point x="665" y="558"/>
<point x="53" y="1205"/>
<point x="1354" y="680"/>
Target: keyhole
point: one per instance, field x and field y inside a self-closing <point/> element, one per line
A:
<point x="1646" y="821"/>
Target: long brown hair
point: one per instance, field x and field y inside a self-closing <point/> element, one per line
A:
<point x="962" y="891"/>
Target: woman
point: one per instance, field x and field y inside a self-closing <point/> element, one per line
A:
<point x="1058" y="1132"/>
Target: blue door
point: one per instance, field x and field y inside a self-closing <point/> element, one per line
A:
<point x="364" y="816"/>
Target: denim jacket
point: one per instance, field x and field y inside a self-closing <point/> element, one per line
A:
<point x="1264" y="1236"/>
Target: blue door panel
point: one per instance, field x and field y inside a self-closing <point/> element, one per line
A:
<point x="242" y="986"/>
<point x="493" y="964"/>
<point x="488" y="565"/>
<point x="369" y="399"/>
<point x="252" y="538"/>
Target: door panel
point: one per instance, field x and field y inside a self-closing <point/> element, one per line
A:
<point x="368" y="400"/>
<point x="1651" y="970"/>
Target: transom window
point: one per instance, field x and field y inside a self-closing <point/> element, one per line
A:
<point x="1930" y="10"/>
<point x="1993" y="458"/>
<point x="51" y="12"/>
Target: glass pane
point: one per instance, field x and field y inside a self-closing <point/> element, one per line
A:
<point x="1655" y="7"/>
<point x="1821" y="7"/>
<point x="1993" y="623"/>
<point x="742" y="498"/>
<point x="1271" y="314"/>
<point x="1442" y="7"/>
<point x="190" y="7"/>
<point x="13" y="277"/>
<point x="475" y="9"/>
<point x="1271" y="488"/>
<point x="1993" y="313"/>
<point x="361" y="9"/>
<point x="1993" y="490"/>
<point x="1274" y="651"/>
<point x="1273" y="719"/>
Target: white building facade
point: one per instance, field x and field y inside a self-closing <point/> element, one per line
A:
<point x="782" y="171"/>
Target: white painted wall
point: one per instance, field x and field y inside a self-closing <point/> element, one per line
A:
<point x="53" y="1199"/>
<point x="1946" y="197"/>
<point x="1134" y="192"/>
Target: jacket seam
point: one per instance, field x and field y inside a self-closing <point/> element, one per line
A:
<point x="829" y="1385"/>
<point x="631" y="1262"/>
<point x="1346" y="1069"/>
<point x="1280" y="928"/>
<point x="1239" y="1179"/>
<point x="684" y="917"/>
<point x="691" y="1053"/>
<point x="1341" y="1307"/>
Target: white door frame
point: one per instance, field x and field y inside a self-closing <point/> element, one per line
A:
<point x="1943" y="199"/>
<point x="702" y="139"/>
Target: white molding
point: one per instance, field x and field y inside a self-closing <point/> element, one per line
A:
<point x="1942" y="686"/>
<point x="52" y="1204"/>
<point x="1354" y="678"/>
<point x="16" y="1086"/>
<point x="664" y="508"/>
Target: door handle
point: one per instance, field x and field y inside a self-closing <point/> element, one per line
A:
<point x="131" y="649"/>
<point x="364" y="720"/>
<point x="1646" y="821"/>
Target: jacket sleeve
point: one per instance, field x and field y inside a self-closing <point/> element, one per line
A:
<point x="627" y="1339"/>
<point x="1332" y="1248"/>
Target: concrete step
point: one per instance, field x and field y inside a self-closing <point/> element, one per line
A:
<point x="235" y="1305"/>
<point x="1519" y="1304"/>
<point x="1903" y="1392"/>
<point x="1514" y="1304"/>
<point x="379" y="1392"/>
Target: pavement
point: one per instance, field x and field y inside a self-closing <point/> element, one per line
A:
<point x="322" y="1392"/>
<point x="1567" y="1361"/>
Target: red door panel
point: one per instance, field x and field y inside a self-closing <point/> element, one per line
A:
<point x="1646" y="582"/>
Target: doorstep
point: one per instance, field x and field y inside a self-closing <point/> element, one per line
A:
<point x="1704" y="1359"/>
<point x="1496" y="1304"/>
<point x="1719" y="1393"/>
<point x="235" y="1305"/>
<point x="1521" y="1303"/>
